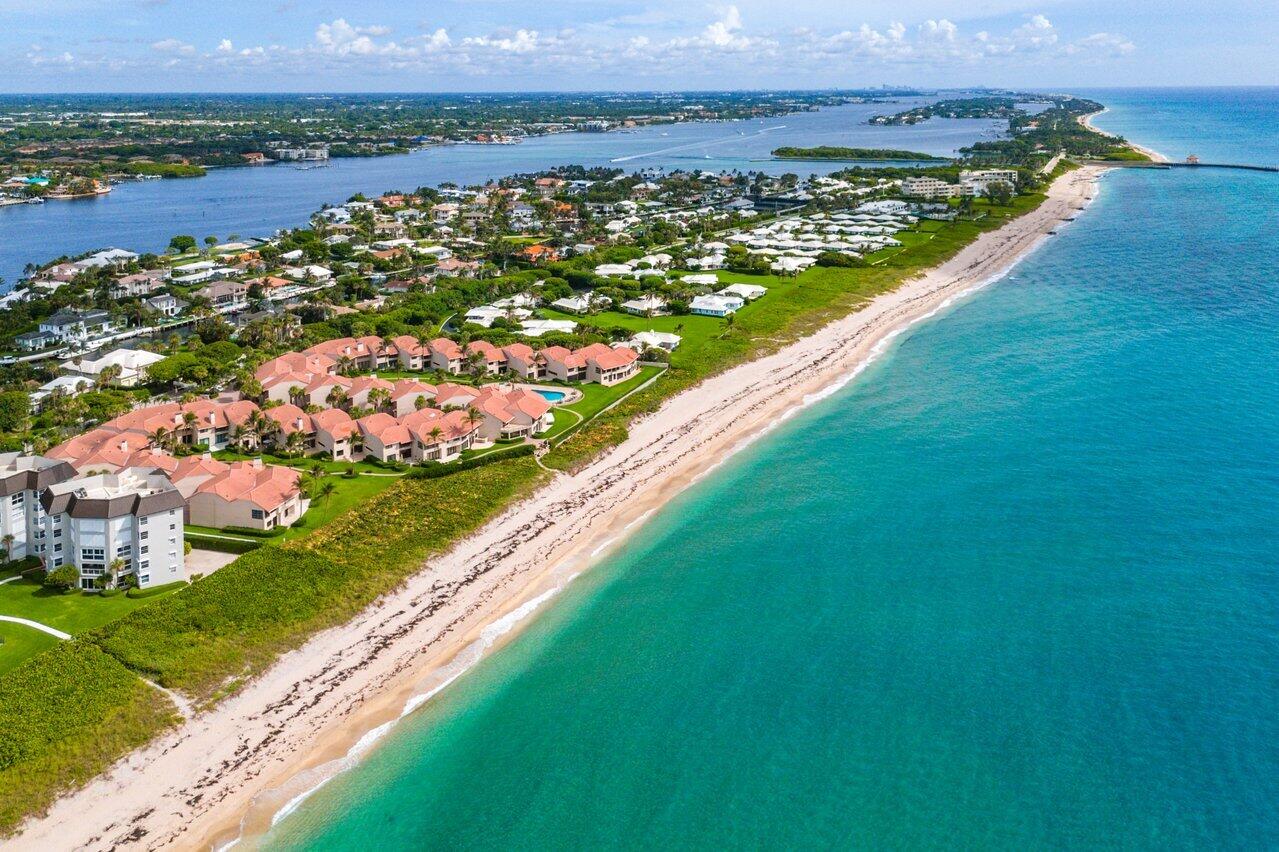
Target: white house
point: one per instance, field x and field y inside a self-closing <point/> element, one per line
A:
<point x="645" y="306"/>
<point x="654" y="340"/>
<point x="715" y="306"/>
<point x="133" y="364"/>
<point x="749" y="292"/>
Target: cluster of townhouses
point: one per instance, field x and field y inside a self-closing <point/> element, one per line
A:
<point x="126" y="523"/>
<point x="607" y="365"/>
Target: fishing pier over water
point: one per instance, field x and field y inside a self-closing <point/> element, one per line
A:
<point x="1189" y="163"/>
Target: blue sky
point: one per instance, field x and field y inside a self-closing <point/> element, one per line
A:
<point x="490" y="45"/>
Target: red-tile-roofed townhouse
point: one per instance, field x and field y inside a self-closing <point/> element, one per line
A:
<point x="563" y="364"/>
<point x="524" y="362"/>
<point x="408" y="395"/>
<point x="334" y="431"/>
<point x="298" y="363"/>
<point x="484" y="358"/>
<point x="369" y="392"/>
<point x="191" y="471"/>
<point x="326" y="392"/>
<point x="607" y="365"/>
<point x="100" y="450"/>
<point x="247" y="494"/>
<point x="289" y="421"/>
<point x="412" y="355"/>
<point x="440" y="436"/>
<point x="450" y="395"/>
<point x="513" y="414"/>
<point x="357" y="353"/>
<point x="385" y="438"/>
<point x="447" y="356"/>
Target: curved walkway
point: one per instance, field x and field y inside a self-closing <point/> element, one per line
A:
<point x="35" y="625"/>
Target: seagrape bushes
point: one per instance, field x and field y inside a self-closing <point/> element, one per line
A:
<point x="233" y="622"/>
<point x="65" y="716"/>
<point x="417" y="517"/>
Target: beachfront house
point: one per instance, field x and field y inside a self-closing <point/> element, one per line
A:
<point x="715" y="306"/>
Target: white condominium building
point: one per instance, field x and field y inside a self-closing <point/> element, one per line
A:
<point x="134" y="516"/>
<point x="22" y="478"/>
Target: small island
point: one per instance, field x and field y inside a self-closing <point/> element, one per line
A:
<point x="830" y="152"/>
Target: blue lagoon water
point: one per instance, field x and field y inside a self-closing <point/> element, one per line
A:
<point x="1017" y="587"/>
<point x="257" y="201"/>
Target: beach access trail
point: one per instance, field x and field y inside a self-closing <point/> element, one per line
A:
<point x="226" y="772"/>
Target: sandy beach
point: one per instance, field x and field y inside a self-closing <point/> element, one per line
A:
<point x="226" y="773"/>
<point x="1086" y="121"/>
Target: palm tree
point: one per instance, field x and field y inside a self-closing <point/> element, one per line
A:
<point x="293" y="443"/>
<point x="337" y="397"/>
<point x="419" y="403"/>
<point x="378" y="397"/>
<point x="473" y="415"/>
<point x="109" y="374"/>
<point x="161" y="437"/>
<point x="111" y="572"/>
<point x="325" y="490"/>
<point x="345" y="364"/>
<point x="6" y="542"/>
<point x="297" y="395"/>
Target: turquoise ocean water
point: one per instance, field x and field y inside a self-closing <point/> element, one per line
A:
<point x="1015" y="587"/>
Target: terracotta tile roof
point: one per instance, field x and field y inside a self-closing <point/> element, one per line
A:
<point x="520" y="350"/>
<point x="291" y="419"/>
<point x="490" y="352"/>
<point x="385" y="428"/>
<point x="447" y="348"/>
<point x="452" y="425"/>
<point x="295" y="362"/>
<point x="608" y="359"/>
<point x="336" y="422"/>
<point x="408" y="344"/>
<point x="265" y="486"/>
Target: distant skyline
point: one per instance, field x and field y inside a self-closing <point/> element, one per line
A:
<point x="500" y="45"/>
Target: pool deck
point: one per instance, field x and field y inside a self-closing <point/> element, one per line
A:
<point x="571" y="394"/>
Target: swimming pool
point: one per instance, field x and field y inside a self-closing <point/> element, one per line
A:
<point x="552" y="396"/>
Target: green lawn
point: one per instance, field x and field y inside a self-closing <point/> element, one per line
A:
<point x="694" y="330"/>
<point x="18" y="642"/>
<point x="72" y="612"/>
<point x="596" y="398"/>
<point x="303" y="463"/>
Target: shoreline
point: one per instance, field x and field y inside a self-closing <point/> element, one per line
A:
<point x="1086" y="121"/>
<point x="319" y="708"/>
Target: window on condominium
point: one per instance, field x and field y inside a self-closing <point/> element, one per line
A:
<point x="142" y="536"/>
<point x="93" y="553"/>
<point x="18" y="499"/>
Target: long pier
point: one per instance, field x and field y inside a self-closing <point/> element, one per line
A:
<point x="1130" y="164"/>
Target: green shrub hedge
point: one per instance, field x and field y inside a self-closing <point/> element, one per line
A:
<point x="141" y="594"/>
<point x="222" y="545"/>
<point x="435" y="471"/>
<point x="274" y="532"/>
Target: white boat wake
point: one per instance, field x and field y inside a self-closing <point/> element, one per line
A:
<point x="688" y="145"/>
